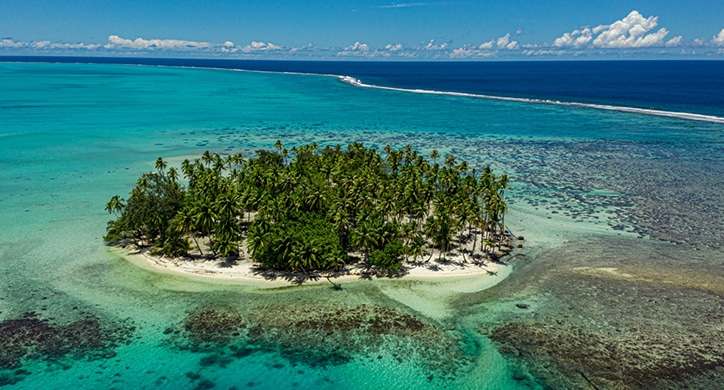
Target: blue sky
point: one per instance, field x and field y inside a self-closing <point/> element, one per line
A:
<point x="348" y="29"/>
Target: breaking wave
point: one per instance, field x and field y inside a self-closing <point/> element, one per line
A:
<point x="644" y="111"/>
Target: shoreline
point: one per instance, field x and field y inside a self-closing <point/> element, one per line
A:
<point x="244" y="272"/>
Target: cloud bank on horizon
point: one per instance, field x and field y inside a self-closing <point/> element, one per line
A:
<point x="632" y="35"/>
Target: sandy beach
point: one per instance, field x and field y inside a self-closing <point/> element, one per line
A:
<point x="245" y="272"/>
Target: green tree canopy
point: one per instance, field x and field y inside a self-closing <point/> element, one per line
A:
<point x="307" y="208"/>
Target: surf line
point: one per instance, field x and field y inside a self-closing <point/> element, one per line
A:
<point x="669" y="114"/>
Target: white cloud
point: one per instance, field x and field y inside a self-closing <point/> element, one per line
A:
<point x="487" y="45"/>
<point x="675" y="41"/>
<point x="432" y="46"/>
<point x="461" y="53"/>
<point x="255" y="46"/>
<point x="718" y="39"/>
<point x="486" y="49"/>
<point x="630" y="32"/>
<point x="357" y="46"/>
<point x="359" y="49"/>
<point x="47" y="45"/>
<point x="575" y="39"/>
<point x="309" y="48"/>
<point x="471" y="52"/>
<point x="395" y="47"/>
<point x="114" y="41"/>
<point x="397" y="50"/>
<point x="50" y="45"/>
<point x="543" y="52"/>
<point x="9" y="43"/>
<point x="633" y="31"/>
<point x="504" y="42"/>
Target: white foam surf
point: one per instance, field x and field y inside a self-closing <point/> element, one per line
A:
<point x="644" y="111"/>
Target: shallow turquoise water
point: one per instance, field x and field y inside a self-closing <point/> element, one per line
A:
<point x="73" y="135"/>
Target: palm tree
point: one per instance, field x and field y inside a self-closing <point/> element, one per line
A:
<point x="316" y="198"/>
<point x="115" y="205"/>
<point x="184" y="224"/>
<point x="434" y="155"/>
<point x="502" y="185"/>
<point x="438" y="229"/>
<point x="416" y="248"/>
<point x="365" y="237"/>
<point x="257" y="238"/>
<point x="204" y="218"/>
<point x="207" y="158"/>
<point x="160" y="165"/>
<point x="173" y="174"/>
<point x="450" y="160"/>
<point x="341" y="220"/>
<point x="188" y="169"/>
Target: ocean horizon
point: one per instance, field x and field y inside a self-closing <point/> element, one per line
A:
<point x="617" y="184"/>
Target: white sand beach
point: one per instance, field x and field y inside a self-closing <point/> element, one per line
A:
<point x="245" y="272"/>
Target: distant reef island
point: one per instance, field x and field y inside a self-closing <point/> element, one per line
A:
<point x="307" y="213"/>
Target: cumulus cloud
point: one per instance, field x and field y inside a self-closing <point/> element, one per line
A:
<point x="633" y="31"/>
<point x="471" y="52"/>
<point x="541" y="52"/>
<point x="675" y="41"/>
<point x="487" y="45"/>
<point x="461" y="53"/>
<point x="47" y="45"/>
<point x="255" y="46"/>
<point x="575" y="39"/>
<point x="395" y="47"/>
<point x="61" y="46"/>
<point x="431" y="46"/>
<point x="9" y="43"/>
<point x="719" y="38"/>
<point x="358" y="46"/>
<point x="114" y="41"/>
<point x="229" y="47"/>
<point x="504" y="42"/>
<point x="397" y="50"/>
<point x="486" y="49"/>
<point x="357" y="49"/>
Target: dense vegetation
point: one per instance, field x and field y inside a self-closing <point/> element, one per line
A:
<point x="309" y="209"/>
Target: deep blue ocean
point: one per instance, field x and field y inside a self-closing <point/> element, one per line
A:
<point x="617" y="282"/>
<point x="677" y="86"/>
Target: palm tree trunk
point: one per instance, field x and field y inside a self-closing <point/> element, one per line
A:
<point x="475" y="241"/>
<point x="197" y="243"/>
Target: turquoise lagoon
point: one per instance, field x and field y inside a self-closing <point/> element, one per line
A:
<point x="592" y="190"/>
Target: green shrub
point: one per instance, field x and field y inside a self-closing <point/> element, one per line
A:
<point x="387" y="258"/>
<point x="301" y="241"/>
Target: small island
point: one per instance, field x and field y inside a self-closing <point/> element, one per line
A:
<point x="311" y="211"/>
